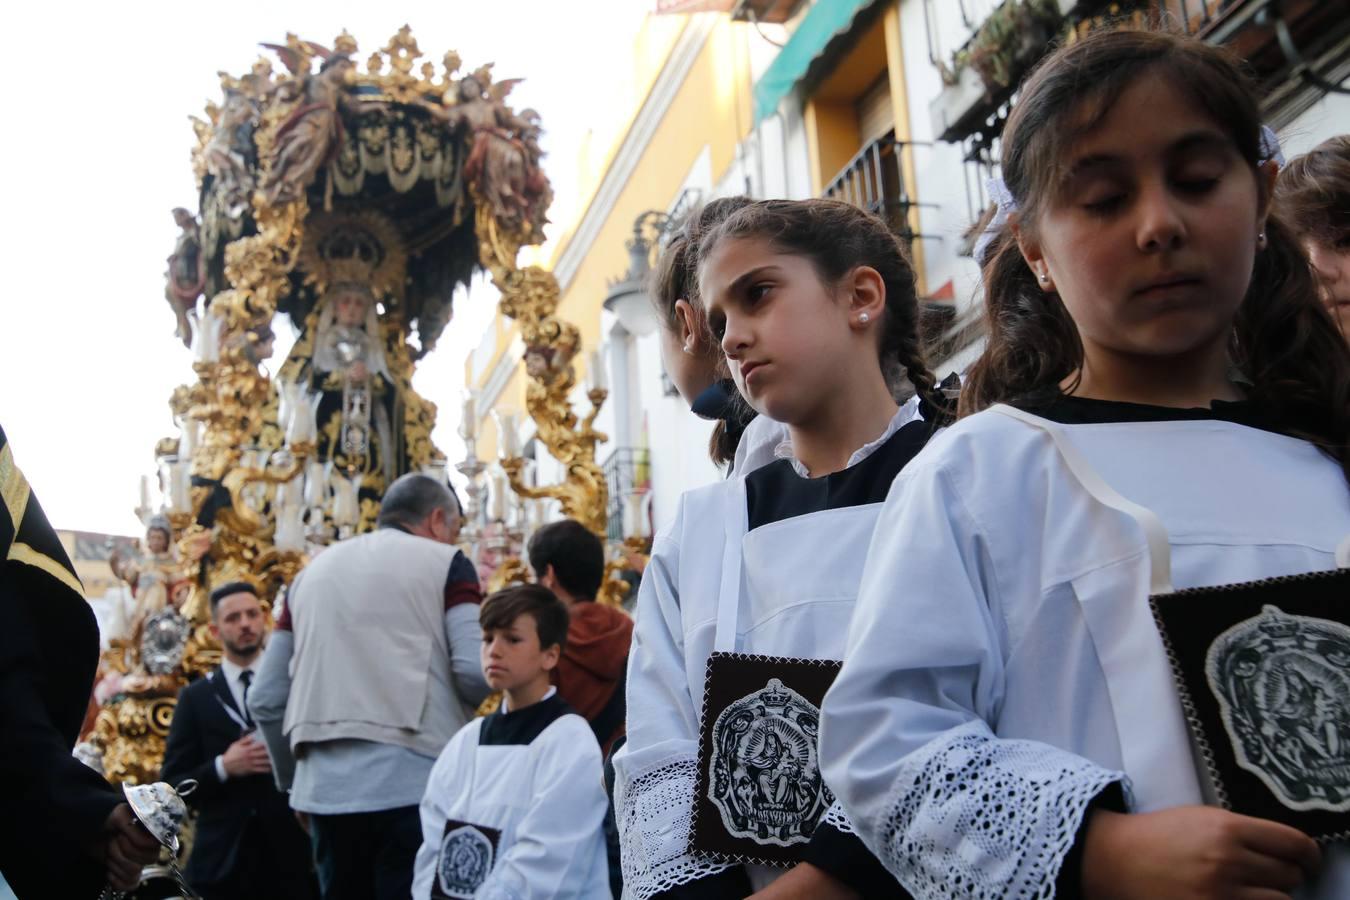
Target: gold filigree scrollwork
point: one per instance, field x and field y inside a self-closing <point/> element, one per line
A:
<point x="530" y="297"/>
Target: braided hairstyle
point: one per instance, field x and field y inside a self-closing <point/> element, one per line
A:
<point x="837" y="238"/>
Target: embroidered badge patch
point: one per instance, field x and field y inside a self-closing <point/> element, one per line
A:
<point x="1283" y="686"/>
<point x="467" y="855"/>
<point x="765" y="778"/>
<point x="1263" y="675"/>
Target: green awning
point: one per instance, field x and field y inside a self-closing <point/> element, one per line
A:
<point x="826" y="20"/>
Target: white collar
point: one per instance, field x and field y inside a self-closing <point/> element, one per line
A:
<point x="903" y="416"/>
<point x="552" y="689"/>
<point x="233" y="670"/>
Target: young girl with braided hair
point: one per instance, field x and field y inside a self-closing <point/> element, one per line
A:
<point x="744" y="606"/>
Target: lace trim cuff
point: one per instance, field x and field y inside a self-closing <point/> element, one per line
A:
<point x="996" y="816"/>
<point x="837" y="819"/>
<point x="654" y="813"/>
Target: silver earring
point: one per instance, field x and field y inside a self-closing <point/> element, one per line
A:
<point x="688" y="349"/>
<point x="1044" y="278"/>
<point x="864" y="318"/>
<point x="1261" y="239"/>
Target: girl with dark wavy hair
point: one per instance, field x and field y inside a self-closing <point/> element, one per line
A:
<point x="1006" y="722"/>
<point x="749" y="591"/>
<point x="1313" y="195"/>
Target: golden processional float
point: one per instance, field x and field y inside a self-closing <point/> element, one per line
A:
<point x="353" y="199"/>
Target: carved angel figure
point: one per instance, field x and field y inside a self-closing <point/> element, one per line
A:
<point x="226" y="153"/>
<point x="187" y="273"/>
<point x="311" y="135"/>
<point x="504" y="152"/>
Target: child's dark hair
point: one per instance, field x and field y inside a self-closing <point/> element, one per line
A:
<point x="837" y="238"/>
<point x="675" y="278"/>
<point x="1313" y="193"/>
<point x="1283" y="339"/>
<point x="575" y="553"/>
<point x="499" y="610"/>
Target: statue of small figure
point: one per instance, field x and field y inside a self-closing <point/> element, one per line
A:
<point x="538" y="192"/>
<point x="226" y="152"/>
<point x="501" y="162"/>
<point x="359" y="402"/>
<point x="187" y="273"/>
<point x="156" y="576"/>
<point x="310" y="137"/>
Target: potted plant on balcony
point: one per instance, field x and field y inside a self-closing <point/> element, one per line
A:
<point x="1008" y="42"/>
<point x="1011" y="40"/>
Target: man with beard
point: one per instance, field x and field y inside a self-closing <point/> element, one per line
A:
<point x="248" y="843"/>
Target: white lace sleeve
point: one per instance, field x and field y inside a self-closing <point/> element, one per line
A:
<point x="654" y="813"/>
<point x="996" y="816"/>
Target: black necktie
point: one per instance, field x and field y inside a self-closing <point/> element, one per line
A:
<point x="245" y="677"/>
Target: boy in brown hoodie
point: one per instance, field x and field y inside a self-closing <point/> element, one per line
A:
<point x="570" y="561"/>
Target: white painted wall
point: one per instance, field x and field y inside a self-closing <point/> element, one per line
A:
<point x="940" y="173"/>
<point x="1328" y="118"/>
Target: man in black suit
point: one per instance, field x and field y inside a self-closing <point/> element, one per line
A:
<point x="248" y="843"/>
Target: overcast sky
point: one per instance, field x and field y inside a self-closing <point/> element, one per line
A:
<point x="96" y="154"/>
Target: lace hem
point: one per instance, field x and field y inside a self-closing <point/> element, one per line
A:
<point x="837" y="819"/>
<point x="994" y="816"/>
<point x="654" y="814"/>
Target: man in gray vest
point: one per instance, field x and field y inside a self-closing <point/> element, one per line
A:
<point x="371" y="670"/>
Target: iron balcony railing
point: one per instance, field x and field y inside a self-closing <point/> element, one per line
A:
<point x="627" y="469"/>
<point x="874" y="181"/>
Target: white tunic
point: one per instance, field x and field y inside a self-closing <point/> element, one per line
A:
<point x="793" y="587"/>
<point x="1002" y="664"/>
<point x="540" y="787"/>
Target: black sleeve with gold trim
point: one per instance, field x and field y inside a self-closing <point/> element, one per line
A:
<point x="48" y="658"/>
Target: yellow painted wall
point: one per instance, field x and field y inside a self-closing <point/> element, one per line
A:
<point x="712" y="108"/>
<point x="832" y="139"/>
<point x="831" y="119"/>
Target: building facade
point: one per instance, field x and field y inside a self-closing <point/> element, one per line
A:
<point x="894" y="105"/>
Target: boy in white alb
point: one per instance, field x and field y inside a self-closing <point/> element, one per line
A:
<point x="514" y="805"/>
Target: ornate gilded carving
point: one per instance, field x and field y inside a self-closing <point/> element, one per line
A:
<point x="291" y="167"/>
<point x="530" y="297"/>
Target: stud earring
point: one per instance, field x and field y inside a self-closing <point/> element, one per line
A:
<point x="1261" y="239"/>
<point x="1044" y="278"/>
<point x="864" y="318"/>
<point x="688" y="349"/>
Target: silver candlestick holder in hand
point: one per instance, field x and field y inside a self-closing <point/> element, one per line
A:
<point x="160" y="809"/>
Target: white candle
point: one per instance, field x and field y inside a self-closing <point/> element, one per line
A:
<point x="635" y="515"/>
<point x="506" y="424"/>
<point x="316" y="484"/>
<point x="180" y="486"/>
<point x="346" y="502"/>
<point x="290" y="533"/>
<point x="208" y="338"/>
<point x="292" y="493"/>
<point x="500" y="488"/>
<point x="596" y="377"/>
<point x="145" y="492"/>
<point x="301" y="424"/>
<point x="290" y="396"/>
<point x="468" y="426"/>
<point x="188" y="432"/>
